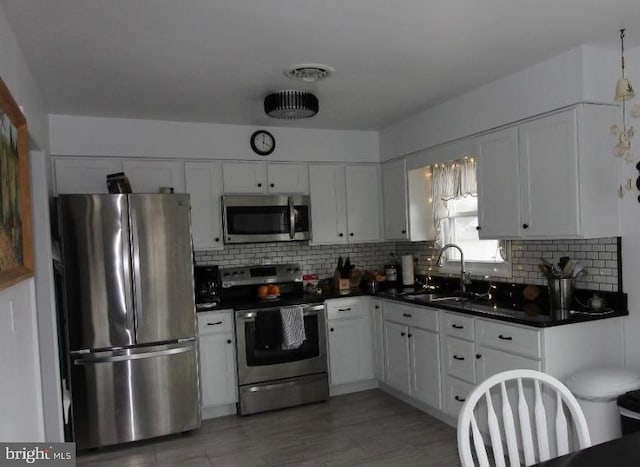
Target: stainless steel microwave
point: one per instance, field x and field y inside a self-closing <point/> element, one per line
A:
<point x="266" y="218"/>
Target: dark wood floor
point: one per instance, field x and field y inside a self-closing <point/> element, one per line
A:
<point x="368" y="428"/>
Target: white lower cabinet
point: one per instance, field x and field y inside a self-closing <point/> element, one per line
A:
<point x="378" y="339"/>
<point x="396" y="369"/>
<point x="425" y="381"/>
<point x="350" y="339"/>
<point x="412" y="353"/>
<point x="217" y="359"/>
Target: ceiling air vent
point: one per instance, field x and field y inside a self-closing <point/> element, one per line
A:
<point x="309" y="72"/>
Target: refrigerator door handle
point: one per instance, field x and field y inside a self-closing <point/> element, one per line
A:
<point x="135" y="263"/>
<point x="126" y="273"/>
<point x="135" y="356"/>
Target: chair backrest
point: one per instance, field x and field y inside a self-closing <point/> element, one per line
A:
<point x="519" y="436"/>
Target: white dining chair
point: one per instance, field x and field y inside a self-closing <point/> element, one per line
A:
<point x="512" y="384"/>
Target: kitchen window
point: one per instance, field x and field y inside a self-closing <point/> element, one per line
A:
<point x="455" y="208"/>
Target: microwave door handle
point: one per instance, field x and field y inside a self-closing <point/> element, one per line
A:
<point x="292" y="219"/>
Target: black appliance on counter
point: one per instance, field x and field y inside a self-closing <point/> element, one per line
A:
<point x="207" y="287"/>
<point x="270" y="377"/>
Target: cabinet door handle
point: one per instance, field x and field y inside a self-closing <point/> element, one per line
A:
<point x="459" y="399"/>
<point x="340" y="234"/>
<point x="259" y="185"/>
<point x="477" y="227"/>
<point x="402" y="334"/>
<point x="478" y="356"/>
<point x="331" y="329"/>
<point x="272" y="185"/>
<point x="505" y="338"/>
<point x="406" y="315"/>
<point x="404" y="231"/>
<point x="217" y="239"/>
<point x="228" y="341"/>
<point x="214" y="324"/>
<point x="377" y="307"/>
<point x="455" y="357"/>
<point x="344" y="309"/>
<point x="351" y="234"/>
<point x="457" y="326"/>
<point x="525" y="226"/>
<point x="409" y="335"/>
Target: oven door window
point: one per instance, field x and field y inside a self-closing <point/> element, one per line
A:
<point x="263" y="338"/>
<point x="250" y="220"/>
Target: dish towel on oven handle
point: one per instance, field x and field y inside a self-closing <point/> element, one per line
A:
<point x="292" y="327"/>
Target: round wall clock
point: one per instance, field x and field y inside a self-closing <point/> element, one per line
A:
<point x="263" y="143"/>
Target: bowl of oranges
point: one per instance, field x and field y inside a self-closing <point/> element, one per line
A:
<point x="268" y="292"/>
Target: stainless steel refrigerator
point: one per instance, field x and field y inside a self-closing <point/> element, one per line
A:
<point x="129" y="316"/>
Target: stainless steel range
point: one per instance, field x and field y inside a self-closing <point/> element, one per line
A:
<point x="271" y="376"/>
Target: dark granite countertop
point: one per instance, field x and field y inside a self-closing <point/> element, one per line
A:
<point x="505" y="303"/>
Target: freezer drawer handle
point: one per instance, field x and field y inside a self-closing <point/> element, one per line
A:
<point x="137" y="356"/>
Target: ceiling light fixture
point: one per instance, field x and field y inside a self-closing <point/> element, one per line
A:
<point x="308" y="72"/>
<point x="291" y="104"/>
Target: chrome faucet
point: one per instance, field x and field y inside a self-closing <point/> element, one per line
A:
<point x="464" y="280"/>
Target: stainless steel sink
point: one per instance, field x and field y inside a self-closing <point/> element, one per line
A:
<point x="433" y="297"/>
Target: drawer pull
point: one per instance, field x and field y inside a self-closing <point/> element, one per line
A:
<point x="214" y="324"/>
<point x="455" y="357"/>
<point x="459" y="399"/>
<point x="406" y="315"/>
<point x="505" y="338"/>
<point x="344" y="309"/>
<point x="457" y="326"/>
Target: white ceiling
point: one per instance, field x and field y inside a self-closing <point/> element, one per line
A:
<point x="214" y="60"/>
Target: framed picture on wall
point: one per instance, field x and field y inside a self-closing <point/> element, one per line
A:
<point x="16" y="248"/>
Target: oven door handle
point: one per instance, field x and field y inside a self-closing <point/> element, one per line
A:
<point x="251" y="315"/>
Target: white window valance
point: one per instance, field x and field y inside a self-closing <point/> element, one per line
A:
<point x="451" y="180"/>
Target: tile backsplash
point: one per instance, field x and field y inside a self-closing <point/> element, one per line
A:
<point x="599" y="257"/>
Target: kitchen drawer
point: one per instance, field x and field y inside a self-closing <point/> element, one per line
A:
<point x="509" y="338"/>
<point x="459" y="358"/>
<point x="343" y="308"/>
<point x="213" y="322"/>
<point x="454" y="394"/>
<point x="455" y="325"/>
<point x="416" y="316"/>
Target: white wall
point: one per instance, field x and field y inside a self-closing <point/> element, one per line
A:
<point x="21" y="403"/>
<point x="546" y="86"/>
<point x="92" y="136"/>
<point x="630" y="210"/>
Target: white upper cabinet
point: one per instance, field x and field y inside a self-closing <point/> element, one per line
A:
<point x="328" y="203"/>
<point x="363" y="202"/>
<point x="148" y="176"/>
<point x="258" y="177"/>
<point x="245" y="177"/>
<point x="288" y="178"/>
<point x="204" y="185"/>
<point x="83" y="174"/>
<point x="549" y="169"/>
<point x="561" y="182"/>
<point x="499" y="203"/>
<point x="345" y="203"/>
<point x="394" y="195"/>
